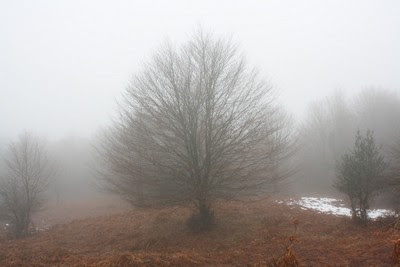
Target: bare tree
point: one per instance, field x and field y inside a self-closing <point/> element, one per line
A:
<point x="25" y="180"/>
<point x="325" y="136"/>
<point x="379" y="110"/>
<point x="195" y="125"/>
<point x="328" y="131"/>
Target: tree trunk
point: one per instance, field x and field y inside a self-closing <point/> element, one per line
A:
<point x="206" y="215"/>
<point x="363" y="210"/>
<point x="354" y="216"/>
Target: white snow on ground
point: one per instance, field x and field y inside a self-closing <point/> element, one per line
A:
<point x="331" y="206"/>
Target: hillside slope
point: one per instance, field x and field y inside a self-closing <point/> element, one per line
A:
<point x="246" y="233"/>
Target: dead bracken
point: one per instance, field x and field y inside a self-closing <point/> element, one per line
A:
<point x="245" y="233"/>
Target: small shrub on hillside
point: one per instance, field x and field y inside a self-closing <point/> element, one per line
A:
<point x="360" y="175"/>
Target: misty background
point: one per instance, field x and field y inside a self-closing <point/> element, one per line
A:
<point x="64" y="64"/>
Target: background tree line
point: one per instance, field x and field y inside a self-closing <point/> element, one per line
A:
<point x="329" y="128"/>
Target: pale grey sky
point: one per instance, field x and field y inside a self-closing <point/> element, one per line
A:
<point x="63" y="63"/>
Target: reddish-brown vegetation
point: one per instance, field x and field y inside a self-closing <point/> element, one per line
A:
<point x="254" y="233"/>
<point x="396" y="252"/>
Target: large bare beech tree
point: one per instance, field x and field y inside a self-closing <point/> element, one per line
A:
<point x="196" y="124"/>
<point x="26" y="177"/>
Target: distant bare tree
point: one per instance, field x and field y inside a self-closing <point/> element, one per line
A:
<point x="329" y="126"/>
<point x="25" y="180"/>
<point x="325" y="136"/>
<point x="379" y="110"/>
<point x="195" y="125"/>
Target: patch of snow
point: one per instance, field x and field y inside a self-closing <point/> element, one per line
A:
<point x="332" y="206"/>
<point x="376" y="213"/>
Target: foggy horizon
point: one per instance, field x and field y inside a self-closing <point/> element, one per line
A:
<point x="64" y="64"/>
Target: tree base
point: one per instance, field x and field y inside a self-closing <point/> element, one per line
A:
<point x="201" y="221"/>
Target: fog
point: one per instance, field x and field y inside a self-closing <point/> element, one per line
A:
<point x="64" y="65"/>
<point x="206" y="133"/>
<point x="329" y="133"/>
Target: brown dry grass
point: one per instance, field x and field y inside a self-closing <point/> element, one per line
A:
<point x="251" y="233"/>
<point x="396" y="252"/>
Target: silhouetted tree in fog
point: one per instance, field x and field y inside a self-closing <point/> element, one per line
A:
<point x="379" y="110"/>
<point x="325" y="136"/>
<point x="26" y="177"/>
<point x="360" y="175"/>
<point x="196" y="124"/>
<point x="328" y="131"/>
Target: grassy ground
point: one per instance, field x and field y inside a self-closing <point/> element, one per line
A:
<point x="247" y="233"/>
